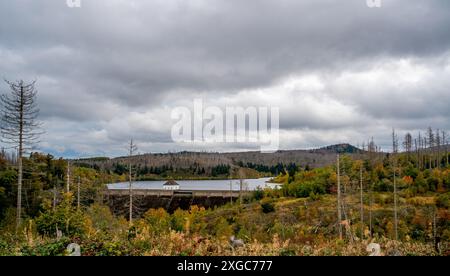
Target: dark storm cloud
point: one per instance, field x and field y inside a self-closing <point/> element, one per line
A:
<point x="108" y="59"/>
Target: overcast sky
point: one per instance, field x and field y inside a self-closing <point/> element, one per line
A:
<point x="338" y="70"/>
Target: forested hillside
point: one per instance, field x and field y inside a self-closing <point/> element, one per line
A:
<point x="219" y="165"/>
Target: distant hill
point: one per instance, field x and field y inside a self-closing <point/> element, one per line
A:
<point x="341" y="148"/>
<point x="207" y="161"/>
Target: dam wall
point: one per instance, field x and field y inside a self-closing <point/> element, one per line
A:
<point x="143" y="200"/>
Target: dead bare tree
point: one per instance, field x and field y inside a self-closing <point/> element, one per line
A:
<point x="231" y="191"/>
<point x="407" y="144"/>
<point x="445" y="143"/>
<point x="78" y="193"/>
<point x="425" y="157"/>
<point x="338" y="172"/>
<point x="68" y="177"/>
<point x="241" y="184"/>
<point x="438" y="146"/>
<point x="431" y="141"/>
<point x="394" y="168"/>
<point x="372" y="148"/>
<point x="20" y="127"/>
<point x="419" y="152"/>
<point x="361" y="200"/>
<point x="416" y="150"/>
<point x="54" y="197"/>
<point x="132" y="150"/>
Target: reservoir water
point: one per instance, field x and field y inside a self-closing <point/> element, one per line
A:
<point x="219" y="185"/>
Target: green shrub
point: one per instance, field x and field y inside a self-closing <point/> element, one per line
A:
<point x="258" y="194"/>
<point x="222" y="228"/>
<point x="5" y="249"/>
<point x="102" y="219"/>
<point x="267" y="207"/>
<point x="446" y="180"/>
<point x="65" y="217"/>
<point x="159" y="221"/>
<point x="432" y="183"/>
<point x="443" y="200"/>
<point x="113" y="248"/>
<point x="384" y="185"/>
<point x="287" y="252"/>
<point x="179" y="219"/>
<point x="313" y="196"/>
<point x="411" y="171"/>
<point x="50" y="248"/>
<point x="304" y="189"/>
<point x="420" y="183"/>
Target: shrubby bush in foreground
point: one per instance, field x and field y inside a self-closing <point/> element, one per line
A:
<point x="293" y="227"/>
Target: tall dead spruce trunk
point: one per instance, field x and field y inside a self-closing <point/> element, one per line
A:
<point x="361" y="191"/>
<point x="339" y="197"/>
<point x="394" y="168"/>
<point x="19" y="127"/>
<point x="132" y="150"/>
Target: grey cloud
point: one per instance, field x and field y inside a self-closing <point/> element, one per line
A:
<point x="110" y="58"/>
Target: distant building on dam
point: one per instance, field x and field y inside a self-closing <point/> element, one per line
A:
<point x="171" y="185"/>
